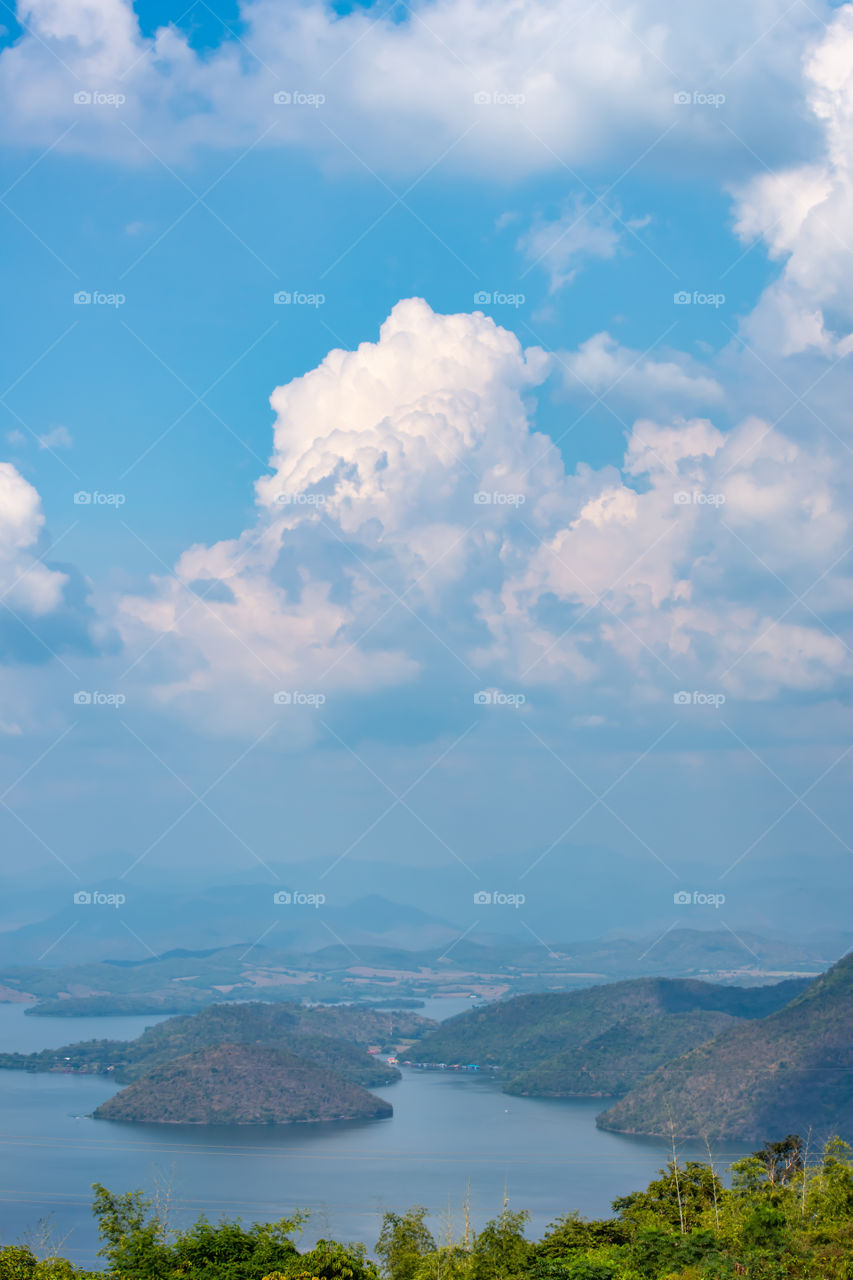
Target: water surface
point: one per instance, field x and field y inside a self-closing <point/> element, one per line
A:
<point x="448" y="1132"/>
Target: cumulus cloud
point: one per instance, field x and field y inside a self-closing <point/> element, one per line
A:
<point x="677" y="566"/>
<point x="26" y="584"/>
<point x="415" y="524"/>
<point x="603" y="366"/>
<point x="45" y="610"/>
<point x="804" y="215"/>
<point x="508" y="88"/>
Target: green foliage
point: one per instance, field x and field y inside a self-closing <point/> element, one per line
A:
<point x="403" y="1241"/>
<point x="682" y="1198"/>
<point x="787" y="1068"/>
<point x="601" y="1041"/>
<point x="500" y="1250"/>
<point x="17" y="1262"/>
<point x="331" y="1261"/>
<point x="785" y="1216"/>
<point x="137" y="1245"/>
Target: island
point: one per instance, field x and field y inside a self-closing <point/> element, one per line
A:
<point x="242" y="1084"/>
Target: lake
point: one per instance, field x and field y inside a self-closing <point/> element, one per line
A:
<point x="448" y="1132"/>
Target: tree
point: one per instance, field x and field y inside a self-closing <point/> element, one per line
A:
<point x="682" y="1198"/>
<point x="403" y="1242"/>
<point x="500" y="1250"/>
<point x="133" y="1237"/>
<point x="329" y="1260"/>
<point x="782" y="1160"/>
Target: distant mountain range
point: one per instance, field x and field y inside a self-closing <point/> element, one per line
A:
<point x="574" y="893"/>
<point x="145" y="923"/>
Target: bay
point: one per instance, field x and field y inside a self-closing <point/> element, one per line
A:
<point x="450" y="1135"/>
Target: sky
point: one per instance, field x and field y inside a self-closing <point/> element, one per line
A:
<point x="426" y="439"/>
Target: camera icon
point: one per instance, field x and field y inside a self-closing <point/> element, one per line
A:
<point x="82" y="98"/>
<point x="482" y="899"/>
<point x="682" y="698"/>
<point x="481" y="498"/>
<point x="82" y="898"/>
<point x="682" y="498"/>
<point x="681" y="99"/>
<point x="482" y="298"/>
<point x="282" y="698"/>
<point x="681" y="898"/>
<point x="482" y="99"/>
<point x="483" y="698"/>
<point x="282" y="898"/>
<point x="681" y="298"/>
<point x="283" y="98"/>
<point x="82" y="499"/>
<point x="82" y="698"/>
<point x="282" y="298"/>
<point x="82" y="298"/>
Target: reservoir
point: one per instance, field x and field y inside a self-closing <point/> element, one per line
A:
<point x="450" y="1134"/>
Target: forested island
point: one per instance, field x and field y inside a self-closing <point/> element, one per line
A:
<point x="245" y="1064"/>
<point x="242" y="1084"/>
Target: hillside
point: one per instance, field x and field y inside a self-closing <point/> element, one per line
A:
<point x="600" y="1041"/>
<point x="790" y="1072"/>
<point x="241" y="1084"/>
<point x="335" y="1039"/>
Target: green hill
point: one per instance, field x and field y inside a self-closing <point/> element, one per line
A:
<point x="601" y="1041"/>
<point x="241" y="1084"/>
<point x="334" y="1038"/>
<point x="793" y="1070"/>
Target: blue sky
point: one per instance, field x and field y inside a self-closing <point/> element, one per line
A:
<point x="683" y="467"/>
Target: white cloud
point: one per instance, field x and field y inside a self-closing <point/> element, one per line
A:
<point x="805" y="215"/>
<point x="601" y="365"/>
<point x="596" y="80"/>
<point x="381" y="567"/>
<point x="584" y="231"/>
<point x="25" y="584"/>
<point x="57" y="438"/>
